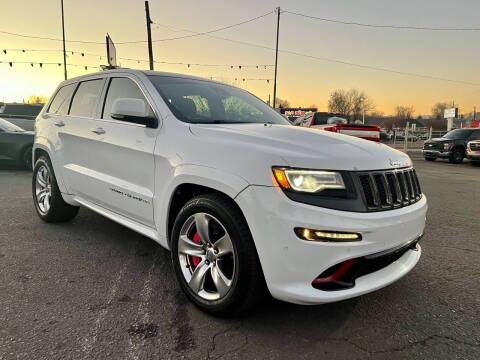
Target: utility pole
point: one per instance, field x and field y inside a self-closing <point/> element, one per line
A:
<point x="474" y="113"/>
<point x="276" y="59"/>
<point x="149" y="33"/>
<point x="64" y="51"/>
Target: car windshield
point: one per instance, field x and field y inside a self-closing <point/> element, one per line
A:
<point x="9" y="127"/>
<point x="337" y="120"/>
<point x="457" y="134"/>
<point x="206" y="102"/>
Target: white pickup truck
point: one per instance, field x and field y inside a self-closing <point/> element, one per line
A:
<point x="244" y="200"/>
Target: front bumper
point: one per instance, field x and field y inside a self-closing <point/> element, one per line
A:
<point x="473" y="155"/>
<point x="436" y="153"/>
<point x="290" y="264"/>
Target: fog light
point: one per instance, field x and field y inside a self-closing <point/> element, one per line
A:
<point x="326" y="236"/>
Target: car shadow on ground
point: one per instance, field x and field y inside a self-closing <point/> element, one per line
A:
<point x="10" y="166"/>
<point x="269" y="315"/>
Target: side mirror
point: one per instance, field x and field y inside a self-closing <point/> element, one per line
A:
<point x="133" y="110"/>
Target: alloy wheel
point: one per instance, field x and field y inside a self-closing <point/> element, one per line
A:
<point x="206" y="256"/>
<point x="43" y="189"/>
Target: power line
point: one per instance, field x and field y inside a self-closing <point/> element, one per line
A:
<point x="210" y="31"/>
<point x="137" y="41"/>
<point x="369" y="67"/>
<point x="49" y="38"/>
<point x="397" y="27"/>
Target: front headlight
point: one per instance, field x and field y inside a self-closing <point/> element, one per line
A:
<point x="309" y="181"/>
<point x="446" y="146"/>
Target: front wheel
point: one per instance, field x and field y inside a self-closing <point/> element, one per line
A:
<point x="457" y="156"/>
<point x="430" y="158"/>
<point x="47" y="197"/>
<point x="214" y="256"/>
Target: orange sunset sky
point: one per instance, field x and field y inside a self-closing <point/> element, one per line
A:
<point x="301" y="80"/>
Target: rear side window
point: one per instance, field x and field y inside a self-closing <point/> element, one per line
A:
<point x="61" y="101"/>
<point x="86" y="97"/>
<point x="122" y="88"/>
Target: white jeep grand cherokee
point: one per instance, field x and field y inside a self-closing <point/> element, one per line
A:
<point x="240" y="197"/>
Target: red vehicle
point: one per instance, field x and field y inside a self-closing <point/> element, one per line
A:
<point x="336" y="122"/>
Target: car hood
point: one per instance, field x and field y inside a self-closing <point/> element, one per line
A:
<point x="436" y="140"/>
<point x="293" y="146"/>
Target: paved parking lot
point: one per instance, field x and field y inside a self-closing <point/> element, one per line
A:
<point x="94" y="289"/>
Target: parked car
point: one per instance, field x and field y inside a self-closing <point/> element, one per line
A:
<point x="400" y="136"/>
<point x="473" y="151"/>
<point x="451" y="146"/>
<point x="15" y="144"/>
<point x="22" y="115"/>
<point x="337" y="123"/>
<point x="242" y="198"/>
<point x="385" y="136"/>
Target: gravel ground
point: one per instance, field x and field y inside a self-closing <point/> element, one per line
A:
<point x="94" y="289"/>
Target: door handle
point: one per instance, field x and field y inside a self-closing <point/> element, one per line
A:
<point x="59" y="123"/>
<point x="98" y="131"/>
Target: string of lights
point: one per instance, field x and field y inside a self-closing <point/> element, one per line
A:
<point x="42" y="64"/>
<point x="86" y="67"/>
<point x="83" y="54"/>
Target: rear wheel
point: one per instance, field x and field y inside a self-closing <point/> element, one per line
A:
<point x="47" y="198"/>
<point x="457" y="156"/>
<point x="214" y="257"/>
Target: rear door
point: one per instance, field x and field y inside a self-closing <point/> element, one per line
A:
<point x="114" y="164"/>
<point x="77" y="141"/>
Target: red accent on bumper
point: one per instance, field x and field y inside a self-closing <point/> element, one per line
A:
<point x="338" y="273"/>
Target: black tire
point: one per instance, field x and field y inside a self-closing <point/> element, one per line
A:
<point x="248" y="284"/>
<point x="457" y="155"/>
<point x="430" y="158"/>
<point x="27" y="158"/>
<point x="59" y="210"/>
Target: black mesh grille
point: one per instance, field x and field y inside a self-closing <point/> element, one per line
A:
<point x="383" y="190"/>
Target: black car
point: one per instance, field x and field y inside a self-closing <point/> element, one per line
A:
<point x="15" y="144"/>
<point x="22" y="115"/>
<point x="451" y="146"/>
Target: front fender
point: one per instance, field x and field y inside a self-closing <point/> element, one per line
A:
<point x="216" y="179"/>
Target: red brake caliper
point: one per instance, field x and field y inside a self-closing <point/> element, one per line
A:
<point x="196" y="259"/>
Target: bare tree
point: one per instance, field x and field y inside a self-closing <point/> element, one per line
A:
<point x="404" y="112"/>
<point x="438" y="110"/>
<point x="352" y="103"/>
<point x="339" y="102"/>
<point x="279" y="103"/>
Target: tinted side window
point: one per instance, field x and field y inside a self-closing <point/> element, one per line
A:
<point x="86" y="97"/>
<point x="121" y="88"/>
<point x="321" y="119"/>
<point x="61" y="101"/>
<point x="475" y="135"/>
